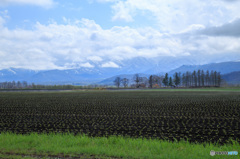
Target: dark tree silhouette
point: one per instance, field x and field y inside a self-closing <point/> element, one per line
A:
<point x="194" y="76"/>
<point x="215" y="78"/>
<point x="202" y="78"/>
<point x="219" y="79"/>
<point x="212" y="78"/>
<point x="170" y="81"/>
<point x="199" y="78"/>
<point x="125" y="82"/>
<point x="207" y="78"/>
<point x="150" y="81"/>
<point x="176" y="79"/>
<point x="137" y="79"/>
<point x="117" y="81"/>
<point x="165" y="80"/>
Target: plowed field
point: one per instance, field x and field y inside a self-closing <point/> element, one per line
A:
<point x="196" y="116"/>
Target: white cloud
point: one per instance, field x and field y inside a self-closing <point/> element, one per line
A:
<point x="87" y="64"/>
<point x="218" y="45"/>
<point x="84" y="43"/>
<point x="95" y="58"/>
<point x="2" y="21"/>
<point x="110" y="64"/>
<point x="2" y="54"/>
<point x="3" y="17"/>
<point x="175" y="15"/>
<point x="122" y="12"/>
<point x="105" y="0"/>
<point x="193" y="28"/>
<point x="41" y="3"/>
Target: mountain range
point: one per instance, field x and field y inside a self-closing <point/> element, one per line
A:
<point x="232" y="78"/>
<point x="105" y="76"/>
<point x="223" y="67"/>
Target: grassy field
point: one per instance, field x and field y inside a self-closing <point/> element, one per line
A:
<point x="67" y="146"/>
<point x="145" y="121"/>
<point x="228" y="89"/>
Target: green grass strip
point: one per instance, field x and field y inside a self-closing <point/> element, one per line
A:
<point x="68" y="144"/>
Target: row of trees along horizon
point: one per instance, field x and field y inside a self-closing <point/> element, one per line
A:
<point x="26" y="85"/>
<point x="188" y="79"/>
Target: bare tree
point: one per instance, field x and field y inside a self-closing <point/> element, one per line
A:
<point x="125" y="82"/>
<point x="143" y="81"/>
<point x="19" y="84"/>
<point x="13" y="84"/>
<point x="117" y="81"/>
<point x="24" y="84"/>
<point x="158" y="80"/>
<point x="137" y="79"/>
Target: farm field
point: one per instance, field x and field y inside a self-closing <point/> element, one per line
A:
<point x="194" y="116"/>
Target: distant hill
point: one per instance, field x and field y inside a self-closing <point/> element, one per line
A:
<point x="223" y="67"/>
<point x="97" y="73"/>
<point x="16" y="74"/>
<point x="80" y="76"/>
<point x="232" y="78"/>
<point x="106" y="76"/>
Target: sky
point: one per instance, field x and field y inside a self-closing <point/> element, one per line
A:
<point x="60" y="34"/>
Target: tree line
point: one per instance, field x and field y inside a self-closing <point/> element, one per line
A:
<point x="14" y="85"/>
<point x="25" y="85"/>
<point x="198" y="78"/>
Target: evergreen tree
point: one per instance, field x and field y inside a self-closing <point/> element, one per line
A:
<point x="215" y="78"/>
<point x="199" y="78"/>
<point x="165" y="80"/>
<point x="150" y="81"/>
<point x="194" y="77"/>
<point x="219" y="79"/>
<point x="212" y="78"/>
<point x="202" y="78"/>
<point x="188" y="79"/>
<point x="180" y="78"/>
<point x="176" y="79"/>
<point x="207" y="78"/>
<point x="184" y="82"/>
<point x="170" y="81"/>
<point x="191" y="79"/>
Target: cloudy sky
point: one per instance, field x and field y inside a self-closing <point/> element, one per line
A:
<point x="60" y="34"/>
